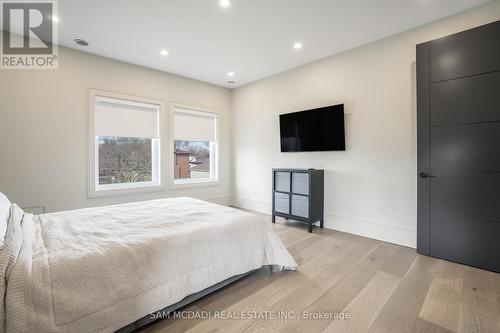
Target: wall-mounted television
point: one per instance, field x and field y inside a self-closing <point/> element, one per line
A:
<point x="319" y="129"/>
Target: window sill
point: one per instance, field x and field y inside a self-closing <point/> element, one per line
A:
<point x="184" y="184"/>
<point x="120" y="191"/>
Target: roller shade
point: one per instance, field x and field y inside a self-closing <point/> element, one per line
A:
<point x="194" y="125"/>
<point x="121" y="118"/>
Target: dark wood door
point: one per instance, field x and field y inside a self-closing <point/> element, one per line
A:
<point x="458" y="102"/>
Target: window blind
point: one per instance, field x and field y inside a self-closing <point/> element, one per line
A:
<point x="121" y="118"/>
<point x="194" y="125"/>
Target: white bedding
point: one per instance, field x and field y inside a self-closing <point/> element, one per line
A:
<point x="99" y="269"/>
<point x="4" y="216"/>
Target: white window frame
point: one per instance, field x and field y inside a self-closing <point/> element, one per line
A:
<point x="94" y="189"/>
<point x="194" y="182"/>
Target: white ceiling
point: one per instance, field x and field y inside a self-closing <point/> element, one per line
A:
<point x="252" y="38"/>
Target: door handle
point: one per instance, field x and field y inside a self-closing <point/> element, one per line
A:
<point x="426" y="175"/>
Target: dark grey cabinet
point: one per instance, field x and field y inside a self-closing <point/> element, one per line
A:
<point x="298" y="194"/>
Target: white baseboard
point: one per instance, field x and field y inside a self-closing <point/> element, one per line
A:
<point x="372" y="229"/>
<point x="351" y="224"/>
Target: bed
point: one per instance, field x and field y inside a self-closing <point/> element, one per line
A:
<point x="108" y="268"/>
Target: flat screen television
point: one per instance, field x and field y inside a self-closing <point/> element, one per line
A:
<point x="319" y="129"/>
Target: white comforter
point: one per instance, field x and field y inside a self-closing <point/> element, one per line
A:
<point x="99" y="269"/>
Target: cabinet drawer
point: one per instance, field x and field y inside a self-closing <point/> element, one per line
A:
<point x="282" y="203"/>
<point x="300" y="206"/>
<point x="282" y="181"/>
<point x="300" y="183"/>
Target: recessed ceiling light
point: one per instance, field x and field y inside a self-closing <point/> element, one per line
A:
<point x="231" y="82"/>
<point x="297" y="45"/>
<point x="54" y="18"/>
<point x="164" y="53"/>
<point x="224" y="3"/>
<point x="230" y="73"/>
<point x="81" y="42"/>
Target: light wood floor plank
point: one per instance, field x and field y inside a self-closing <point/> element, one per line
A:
<point x="442" y="302"/>
<point x="400" y="313"/>
<point x="479" y="309"/>
<point x="365" y="307"/>
<point x="343" y="292"/>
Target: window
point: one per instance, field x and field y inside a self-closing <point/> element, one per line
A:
<point x="124" y="144"/>
<point x="195" y="146"/>
<point x="125" y="160"/>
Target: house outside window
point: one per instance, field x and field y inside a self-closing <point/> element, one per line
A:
<point x="195" y="146"/>
<point x="181" y="166"/>
<point x="124" y="144"/>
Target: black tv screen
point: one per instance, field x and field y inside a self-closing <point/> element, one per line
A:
<point x="319" y="129"/>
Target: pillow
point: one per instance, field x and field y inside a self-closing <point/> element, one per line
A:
<point x="4" y="216"/>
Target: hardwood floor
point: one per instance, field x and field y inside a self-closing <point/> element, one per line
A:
<point x="383" y="287"/>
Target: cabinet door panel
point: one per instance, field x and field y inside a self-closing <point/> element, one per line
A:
<point x="300" y="206"/>
<point x="300" y="183"/>
<point x="282" y="181"/>
<point x="282" y="203"/>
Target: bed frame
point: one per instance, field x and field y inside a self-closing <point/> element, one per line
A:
<point x="182" y="303"/>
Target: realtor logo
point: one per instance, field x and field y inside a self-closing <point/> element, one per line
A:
<point x="29" y="34"/>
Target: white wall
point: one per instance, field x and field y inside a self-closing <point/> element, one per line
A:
<point x="370" y="189"/>
<point x="43" y="127"/>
